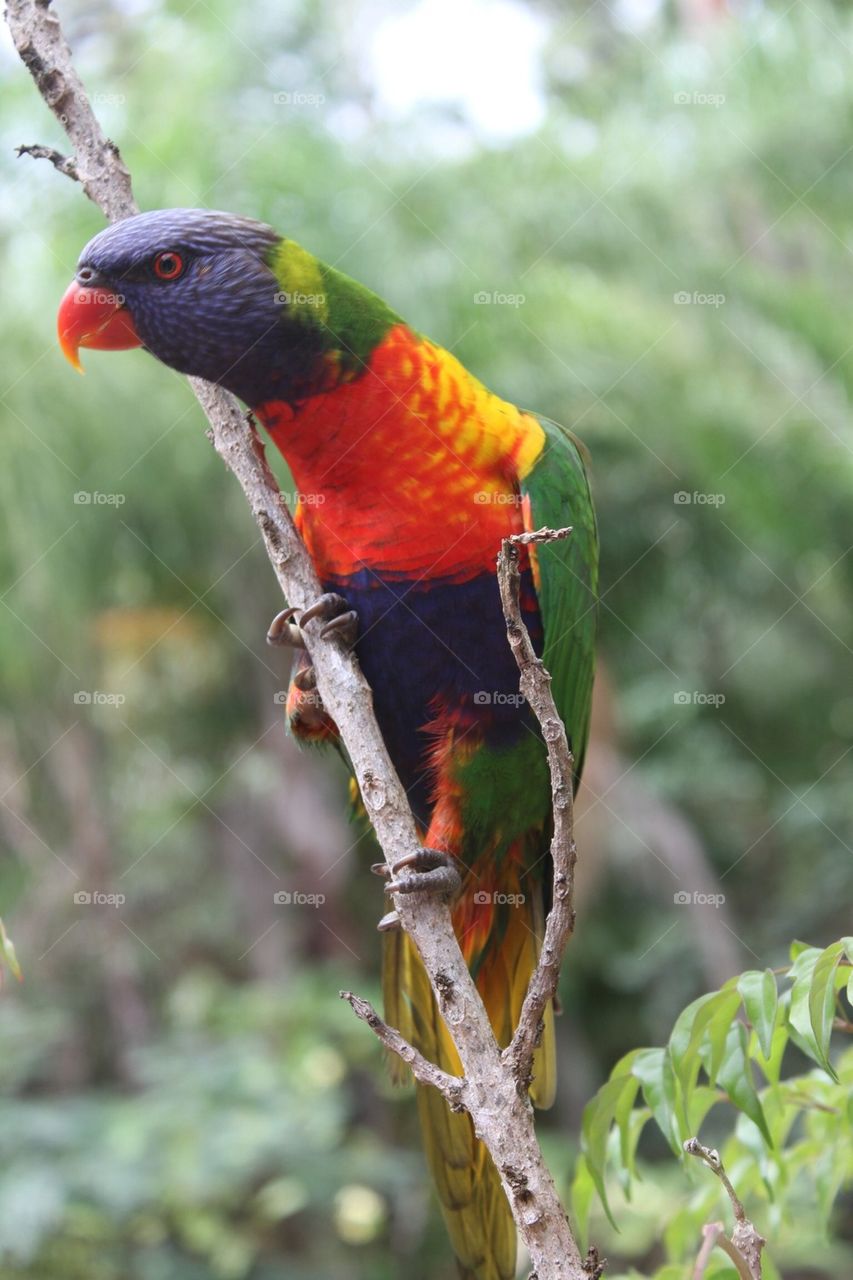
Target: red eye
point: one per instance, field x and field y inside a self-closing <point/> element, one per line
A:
<point x="168" y="266"/>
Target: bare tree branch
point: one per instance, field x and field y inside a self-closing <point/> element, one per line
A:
<point x="492" y="1088"/>
<point x="535" y="684"/>
<point x="65" y="164"/>
<point x="744" y="1248"/>
<point x="452" y="1088"/>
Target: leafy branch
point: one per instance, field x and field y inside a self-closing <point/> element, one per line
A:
<point x="718" y="1047"/>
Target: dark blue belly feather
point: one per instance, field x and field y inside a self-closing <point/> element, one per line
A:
<point x="428" y="646"/>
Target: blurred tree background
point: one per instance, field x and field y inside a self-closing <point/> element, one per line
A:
<point x="635" y="218"/>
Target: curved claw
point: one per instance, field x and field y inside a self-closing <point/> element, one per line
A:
<point x="305" y="679"/>
<point x="439" y="880"/>
<point x="328" y="606"/>
<point x="346" y="627"/>
<point x="388" y="922"/>
<point x="432" y="872"/>
<point x="424" y="859"/>
<point x="339" y="619"/>
<point x="380" y="868"/>
<point x="283" y="632"/>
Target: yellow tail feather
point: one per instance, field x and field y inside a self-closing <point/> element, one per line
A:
<point x="475" y="1210"/>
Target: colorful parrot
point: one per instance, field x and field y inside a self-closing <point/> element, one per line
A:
<point x="410" y="472"/>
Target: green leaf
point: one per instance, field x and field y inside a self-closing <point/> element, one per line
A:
<point x="708" y="1016"/>
<point x="653" y="1068"/>
<point x="735" y="1076"/>
<point x="771" y="1064"/>
<point x="686" y="1035"/>
<point x="583" y="1189"/>
<point x="713" y="1045"/>
<point x="622" y="1115"/>
<point x="803" y="973"/>
<point x="760" y="999"/>
<point x="831" y="1174"/>
<point x="700" y="1102"/>
<point x="822" y="1001"/>
<point x="848" y="948"/>
<point x="595" y="1127"/>
<point x="638" y="1118"/>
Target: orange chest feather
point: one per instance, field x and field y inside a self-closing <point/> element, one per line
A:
<point x="411" y="469"/>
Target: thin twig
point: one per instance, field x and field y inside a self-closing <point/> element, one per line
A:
<point x="65" y="164"/>
<point x="744" y="1248"/>
<point x="535" y="684"/>
<point x="711" y="1233"/>
<point x="453" y="1088"/>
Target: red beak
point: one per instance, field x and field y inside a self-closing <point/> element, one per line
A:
<point x="91" y="316"/>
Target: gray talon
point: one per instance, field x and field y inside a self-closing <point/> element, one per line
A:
<point x="345" y="627"/>
<point x="424" y="859"/>
<point x="439" y="880"/>
<point x="430" y="871"/>
<point x="328" y="606"/>
<point x="389" y="922"/>
<point x="284" y="632"/>
<point x="339" y="619"/>
<point x="433" y="872"/>
<point x="305" y="679"/>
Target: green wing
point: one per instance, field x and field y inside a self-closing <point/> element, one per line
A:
<point x="558" y="493"/>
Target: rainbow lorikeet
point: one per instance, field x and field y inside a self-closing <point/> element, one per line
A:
<point x="410" y="473"/>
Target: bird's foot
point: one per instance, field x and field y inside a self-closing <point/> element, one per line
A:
<point x="340" y="621"/>
<point x="427" y="871"/>
<point x="283" y="631"/>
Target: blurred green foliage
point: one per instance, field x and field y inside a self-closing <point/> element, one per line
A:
<point x="791" y="1151"/>
<point x="186" y="1096"/>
